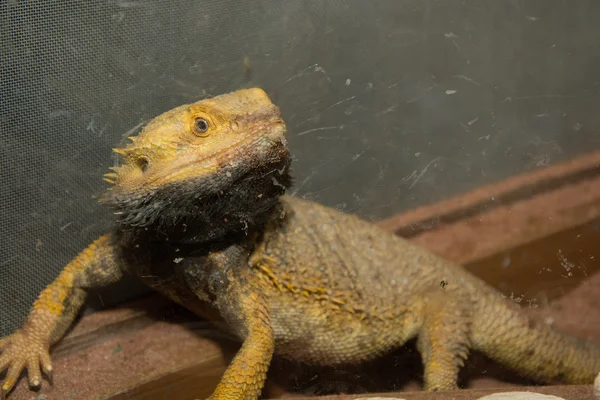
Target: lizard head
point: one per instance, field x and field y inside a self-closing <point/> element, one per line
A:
<point x="202" y="170"/>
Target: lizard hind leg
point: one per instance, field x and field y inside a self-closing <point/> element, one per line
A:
<point x="443" y="340"/>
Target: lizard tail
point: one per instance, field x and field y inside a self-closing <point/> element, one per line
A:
<point x="504" y="333"/>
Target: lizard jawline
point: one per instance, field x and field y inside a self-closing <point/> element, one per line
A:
<point x="207" y="208"/>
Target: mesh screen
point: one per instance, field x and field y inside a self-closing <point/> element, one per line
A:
<point x="390" y="104"/>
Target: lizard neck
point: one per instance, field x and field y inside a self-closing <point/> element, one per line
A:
<point x="232" y="215"/>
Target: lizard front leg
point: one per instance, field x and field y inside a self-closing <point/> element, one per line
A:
<point x="225" y="280"/>
<point x="54" y="311"/>
<point x="245" y="376"/>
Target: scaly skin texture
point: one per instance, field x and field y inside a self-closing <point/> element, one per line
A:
<point x="203" y="219"/>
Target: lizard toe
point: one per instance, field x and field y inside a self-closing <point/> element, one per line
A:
<point x="4" y="342"/>
<point x="47" y="366"/>
<point x="12" y="376"/>
<point x="4" y="361"/>
<point x="34" y="373"/>
<point x="49" y="375"/>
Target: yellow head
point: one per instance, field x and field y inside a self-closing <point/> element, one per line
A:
<point x="216" y="159"/>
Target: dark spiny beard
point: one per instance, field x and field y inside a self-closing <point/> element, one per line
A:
<point x="206" y="209"/>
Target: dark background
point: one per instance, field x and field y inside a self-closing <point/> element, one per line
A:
<point x="390" y="104"/>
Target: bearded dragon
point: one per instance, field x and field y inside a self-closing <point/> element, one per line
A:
<point x="203" y="218"/>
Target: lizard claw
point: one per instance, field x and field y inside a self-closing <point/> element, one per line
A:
<point x="50" y="377"/>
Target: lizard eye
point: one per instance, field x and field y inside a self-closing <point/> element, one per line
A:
<point x="200" y="126"/>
